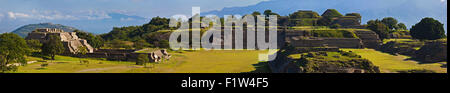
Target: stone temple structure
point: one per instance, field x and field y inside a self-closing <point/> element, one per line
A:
<point x="70" y="40"/>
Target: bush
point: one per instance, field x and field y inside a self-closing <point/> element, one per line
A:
<point x="335" y="26"/>
<point x="142" y="59"/>
<point x="350" y="54"/>
<point x="428" y="29"/>
<point x="44" y="65"/>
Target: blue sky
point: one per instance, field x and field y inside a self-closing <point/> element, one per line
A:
<point x="86" y="14"/>
<point x="94" y="9"/>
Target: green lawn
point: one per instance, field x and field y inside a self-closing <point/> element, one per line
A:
<point x="391" y="64"/>
<point x="202" y="61"/>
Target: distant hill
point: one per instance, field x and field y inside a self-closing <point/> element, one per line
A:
<point x="24" y="30"/>
<point x="96" y="26"/>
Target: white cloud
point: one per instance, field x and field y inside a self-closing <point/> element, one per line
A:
<point x="57" y="15"/>
<point x="126" y="19"/>
<point x="94" y="15"/>
<point x="1" y="17"/>
<point x="41" y="15"/>
<point x="13" y="15"/>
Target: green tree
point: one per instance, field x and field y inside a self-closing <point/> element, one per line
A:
<point x="378" y="27"/>
<point x="267" y="13"/>
<point x="140" y="44"/>
<point x="390" y="22"/>
<point x="304" y="14"/>
<point x="118" y="44"/>
<point x="428" y="29"/>
<point x="142" y="60"/>
<point x="256" y="13"/>
<point x="94" y="40"/>
<point x="82" y="50"/>
<point x="34" y="44"/>
<point x="401" y="26"/>
<point x="53" y="46"/>
<point x="357" y="15"/>
<point x="13" y="48"/>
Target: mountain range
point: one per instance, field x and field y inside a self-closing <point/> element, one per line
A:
<point x="97" y="26"/>
<point x="24" y="30"/>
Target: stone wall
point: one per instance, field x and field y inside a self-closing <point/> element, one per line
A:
<point x="297" y="42"/>
<point x="370" y="39"/>
<point x="309" y="49"/>
<point x="343" y="42"/>
<point x="124" y="55"/>
<point x="325" y="42"/>
<point x="115" y="50"/>
<point x="70" y="40"/>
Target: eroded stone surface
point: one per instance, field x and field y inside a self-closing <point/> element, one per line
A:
<point x="70" y="40"/>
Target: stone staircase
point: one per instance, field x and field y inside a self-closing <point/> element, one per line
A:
<point x="369" y="38"/>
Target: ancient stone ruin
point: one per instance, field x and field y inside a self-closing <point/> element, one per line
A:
<point x="71" y="44"/>
<point x="70" y="40"/>
<point x="128" y="55"/>
<point x="300" y="38"/>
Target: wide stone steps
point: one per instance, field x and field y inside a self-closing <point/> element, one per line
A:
<point x="369" y="38"/>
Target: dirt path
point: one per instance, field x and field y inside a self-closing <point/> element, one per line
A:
<point x="103" y="69"/>
<point x="18" y="64"/>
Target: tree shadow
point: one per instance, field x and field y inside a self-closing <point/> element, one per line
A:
<point x="261" y="67"/>
<point x="41" y="68"/>
<point x="421" y="62"/>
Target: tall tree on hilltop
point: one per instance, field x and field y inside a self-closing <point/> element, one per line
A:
<point x="53" y="46"/>
<point x="256" y="13"/>
<point x="428" y="29"/>
<point x="390" y="22"/>
<point x="401" y="26"/>
<point x="267" y="13"/>
<point x="379" y="27"/>
<point x="13" y="48"/>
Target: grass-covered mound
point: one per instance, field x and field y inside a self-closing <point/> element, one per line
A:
<point x="433" y="51"/>
<point x="335" y="62"/>
<point x="401" y="34"/>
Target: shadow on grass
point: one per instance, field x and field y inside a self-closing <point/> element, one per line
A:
<point x="41" y="68"/>
<point x="410" y="58"/>
<point x="261" y="67"/>
<point x="60" y="62"/>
